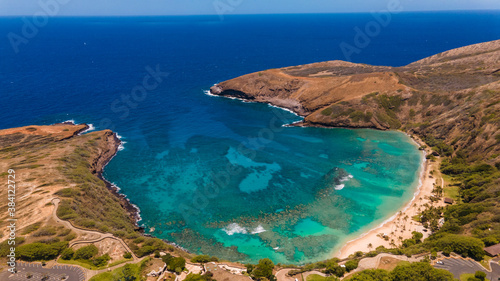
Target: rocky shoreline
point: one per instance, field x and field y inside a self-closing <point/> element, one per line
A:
<point x="98" y="168"/>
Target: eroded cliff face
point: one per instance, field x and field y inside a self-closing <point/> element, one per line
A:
<point x="454" y="96"/>
<point x="107" y="148"/>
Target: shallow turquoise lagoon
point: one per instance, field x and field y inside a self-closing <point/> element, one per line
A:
<point x="241" y="186"/>
<point x="220" y="176"/>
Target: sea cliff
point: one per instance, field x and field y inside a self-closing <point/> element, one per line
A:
<point x="58" y="161"/>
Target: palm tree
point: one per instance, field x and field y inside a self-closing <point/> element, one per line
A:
<point x="392" y="244"/>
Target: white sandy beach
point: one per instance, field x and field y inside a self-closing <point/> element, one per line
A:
<point x="401" y="225"/>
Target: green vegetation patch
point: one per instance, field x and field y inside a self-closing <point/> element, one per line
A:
<point x="419" y="271"/>
<point x="316" y="277"/>
<point x="390" y="103"/>
<point x="40" y="251"/>
<point x="86" y="257"/>
<point x="174" y="264"/>
<point x="30" y="228"/>
<point x="128" y="272"/>
<point x="45" y="231"/>
<point x="357" y="116"/>
<point x="90" y="205"/>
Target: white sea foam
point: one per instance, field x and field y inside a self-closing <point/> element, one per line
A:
<point x="122" y="143"/>
<point x="115" y="187"/>
<point x="207" y="92"/>
<point x="344" y="179"/>
<point x="234" y="228"/>
<point x="71" y="121"/>
<point x="284" y="108"/>
<point x="90" y="128"/>
<point x="292" y="124"/>
<point x="258" y="229"/>
<point x="139" y="218"/>
<point x="339" y="187"/>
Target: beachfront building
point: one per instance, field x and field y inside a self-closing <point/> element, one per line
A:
<point x="493" y="251"/>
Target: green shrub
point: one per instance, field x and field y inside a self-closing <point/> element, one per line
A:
<point x="462" y="245"/>
<point x="408" y="242"/>
<point x="351" y="265"/>
<point x="139" y="240"/>
<point x="64" y="232"/>
<point x="201" y="259"/>
<point x="101" y="261"/>
<point x="328" y="111"/>
<point x="65" y="212"/>
<point x="150" y="245"/>
<point x="70" y="236"/>
<point x="129" y="272"/>
<point x="417" y="236"/>
<point x="264" y="269"/>
<point x="176" y="264"/>
<point x="66" y="192"/>
<point x="5" y="247"/>
<point x="40" y="251"/>
<point x="332" y="267"/>
<point x="480" y="275"/>
<point x="30" y="228"/>
<point x="371" y="275"/>
<point x="420" y="271"/>
<point x="67" y="254"/>
<point x="86" y="252"/>
<point x="490" y="240"/>
<point x="45" y="231"/>
<point x="198" y="277"/>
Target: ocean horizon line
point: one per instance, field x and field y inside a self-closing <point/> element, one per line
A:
<point x="249" y="14"/>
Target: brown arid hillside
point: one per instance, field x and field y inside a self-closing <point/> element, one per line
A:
<point x="453" y="96"/>
<point x="57" y="162"/>
<point x="450" y="100"/>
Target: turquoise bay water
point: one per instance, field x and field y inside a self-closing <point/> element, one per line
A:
<point x="256" y="189"/>
<point x="220" y="176"/>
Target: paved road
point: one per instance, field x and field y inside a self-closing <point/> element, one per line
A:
<point x="460" y="266"/>
<point x="281" y="275"/>
<point x="58" y="272"/>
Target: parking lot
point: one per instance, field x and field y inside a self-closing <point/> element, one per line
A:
<point x="461" y="266"/>
<point x="35" y="271"/>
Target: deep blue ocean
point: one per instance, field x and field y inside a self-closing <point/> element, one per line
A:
<point x="215" y="175"/>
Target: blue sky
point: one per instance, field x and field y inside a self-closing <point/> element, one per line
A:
<point x="196" y="7"/>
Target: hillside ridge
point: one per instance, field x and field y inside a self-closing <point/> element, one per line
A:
<point x="454" y="95"/>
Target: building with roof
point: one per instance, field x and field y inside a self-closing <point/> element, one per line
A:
<point x="493" y="250"/>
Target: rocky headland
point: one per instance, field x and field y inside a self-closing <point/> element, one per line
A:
<point x="453" y="96"/>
